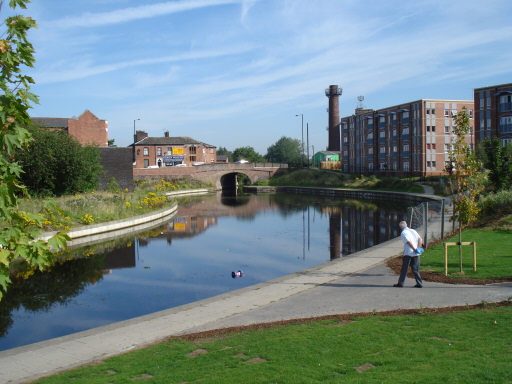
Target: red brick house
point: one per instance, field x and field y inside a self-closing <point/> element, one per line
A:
<point x="152" y="152"/>
<point x="87" y="129"/>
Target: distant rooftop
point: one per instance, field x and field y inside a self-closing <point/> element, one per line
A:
<point x="179" y="140"/>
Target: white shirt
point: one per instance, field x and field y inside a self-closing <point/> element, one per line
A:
<point x="409" y="234"/>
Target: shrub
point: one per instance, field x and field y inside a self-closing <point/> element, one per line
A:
<point x="494" y="203"/>
<point x="56" y="164"/>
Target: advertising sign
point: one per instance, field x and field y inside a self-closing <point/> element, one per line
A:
<point x="177" y="151"/>
<point x="170" y="160"/>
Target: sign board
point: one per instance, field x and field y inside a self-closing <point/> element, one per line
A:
<point x="177" y="151"/>
<point x="172" y="159"/>
<point x="180" y="227"/>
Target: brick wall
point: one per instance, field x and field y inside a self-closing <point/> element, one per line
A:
<point x="117" y="162"/>
<point x="88" y="129"/>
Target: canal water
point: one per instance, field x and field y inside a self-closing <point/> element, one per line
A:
<point x="189" y="258"/>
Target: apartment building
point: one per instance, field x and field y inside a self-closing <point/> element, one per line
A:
<point x="157" y="152"/>
<point x="493" y="113"/>
<point x="407" y="139"/>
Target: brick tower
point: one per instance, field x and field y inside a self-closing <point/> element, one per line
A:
<point x="333" y="92"/>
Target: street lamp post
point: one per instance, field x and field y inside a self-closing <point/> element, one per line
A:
<point x="134" y="138"/>
<point x="302" y="125"/>
<point x="307" y="141"/>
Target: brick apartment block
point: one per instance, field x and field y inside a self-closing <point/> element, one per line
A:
<point x="87" y="129"/>
<point x="407" y="139"/>
<point x="493" y="113"/>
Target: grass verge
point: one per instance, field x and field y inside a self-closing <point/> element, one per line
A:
<point x="456" y="347"/>
<point x="69" y="211"/>
<point x="309" y="177"/>
<point x="494" y="256"/>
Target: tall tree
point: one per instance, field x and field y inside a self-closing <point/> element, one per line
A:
<point x="497" y="158"/>
<point x="466" y="180"/>
<point x="247" y="153"/>
<point x="20" y="230"/>
<point x="285" y="150"/>
<point x="226" y="152"/>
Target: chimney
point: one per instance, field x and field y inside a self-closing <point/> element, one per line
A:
<point x="333" y="93"/>
<point x="139" y="135"/>
<point x="166" y="133"/>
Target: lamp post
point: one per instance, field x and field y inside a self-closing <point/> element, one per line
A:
<point x="302" y="125"/>
<point x="307" y="141"/>
<point x="134" y="138"/>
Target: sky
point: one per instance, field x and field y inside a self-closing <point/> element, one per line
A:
<point x="236" y="73"/>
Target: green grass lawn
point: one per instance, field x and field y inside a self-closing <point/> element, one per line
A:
<point x="494" y="254"/>
<point x="468" y="346"/>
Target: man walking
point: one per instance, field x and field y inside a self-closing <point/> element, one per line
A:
<point x="412" y="241"/>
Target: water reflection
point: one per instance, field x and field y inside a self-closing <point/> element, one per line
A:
<point x="191" y="257"/>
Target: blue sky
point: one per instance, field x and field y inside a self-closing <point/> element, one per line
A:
<point x="236" y="72"/>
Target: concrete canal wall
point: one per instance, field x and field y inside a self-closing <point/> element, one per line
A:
<point x="412" y="198"/>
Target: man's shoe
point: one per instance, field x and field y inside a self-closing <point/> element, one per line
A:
<point x="418" y="286"/>
<point x="398" y="285"/>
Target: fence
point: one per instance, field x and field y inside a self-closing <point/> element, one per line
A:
<point x="432" y="219"/>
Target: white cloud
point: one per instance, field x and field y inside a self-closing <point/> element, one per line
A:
<point x="88" y="20"/>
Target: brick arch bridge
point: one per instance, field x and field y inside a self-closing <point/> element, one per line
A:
<point x="214" y="174"/>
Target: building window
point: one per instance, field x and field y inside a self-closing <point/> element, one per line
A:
<point x="405" y="131"/>
<point x="169" y="150"/>
<point x="146" y="163"/>
<point x="159" y="151"/>
<point x="382" y="134"/>
<point x="433" y="128"/>
<point x="394" y="132"/>
<point x="370" y="151"/>
<point x="433" y="164"/>
<point x="406" y="166"/>
<point x="146" y="151"/>
<point x="370" y="135"/>
<point x="428" y="128"/>
<point x="395" y="148"/>
<point x="406" y="147"/>
<point x="433" y="146"/>
<point x="192" y="158"/>
<point x="382" y="149"/>
<point x="446" y="112"/>
<point x="428" y="146"/>
<point x="193" y="150"/>
<point x="446" y="130"/>
<point x="428" y="164"/>
<point x="345" y="140"/>
<point x="138" y="151"/>
<point x="470" y="112"/>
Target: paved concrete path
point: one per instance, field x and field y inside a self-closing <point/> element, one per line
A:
<point x="356" y="283"/>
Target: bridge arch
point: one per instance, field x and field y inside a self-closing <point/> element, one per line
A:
<point x="229" y="180"/>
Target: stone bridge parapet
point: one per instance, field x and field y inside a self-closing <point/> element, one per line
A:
<point x="212" y="173"/>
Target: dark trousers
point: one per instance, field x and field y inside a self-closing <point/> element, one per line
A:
<point x="414" y="262"/>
